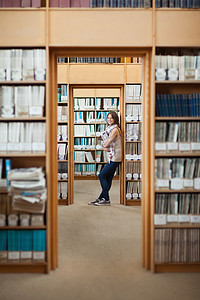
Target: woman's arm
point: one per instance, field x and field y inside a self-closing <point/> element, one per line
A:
<point x="111" y="138"/>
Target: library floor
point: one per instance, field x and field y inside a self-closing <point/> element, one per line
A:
<point x="99" y="258"/>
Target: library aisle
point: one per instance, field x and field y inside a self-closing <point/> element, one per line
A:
<point x="99" y="258"/>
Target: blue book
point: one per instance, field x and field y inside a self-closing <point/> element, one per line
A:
<point x="39" y="245"/>
<point x="13" y="240"/>
<point x="26" y="243"/>
<point x="3" y="240"/>
<point x="158" y="3"/>
<point x="171" y="3"/>
<point x="8" y="168"/>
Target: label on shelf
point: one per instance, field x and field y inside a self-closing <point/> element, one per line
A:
<point x="188" y="183"/>
<point x="3" y="147"/>
<point x="39" y="255"/>
<point x="26" y="254"/>
<point x="38" y="147"/>
<point x="25" y="147"/>
<point x="140" y="195"/>
<point x="13" y="255"/>
<point x="197" y="74"/>
<point x="64" y="98"/>
<point x="2" y="220"/>
<point x="128" y="157"/>
<point x="160" y="219"/>
<point x="197" y="183"/>
<point x="161" y="74"/>
<point x="13" y="147"/>
<point x="172" y="218"/>
<point x="134" y="156"/>
<point x="184" y="147"/>
<point x="13" y="220"/>
<point x="135" y="176"/>
<point x="176" y="183"/>
<point x="195" y="218"/>
<point x="128" y="176"/>
<point x="98" y="159"/>
<point x="3" y="256"/>
<point x="184" y="218"/>
<point x="195" y="146"/>
<point x="139" y="156"/>
<point x="172" y="146"/>
<point x="128" y="118"/>
<point x="163" y="183"/>
<point x="189" y="74"/>
<point x="128" y="196"/>
<point x="135" y="195"/>
<point x="160" y="146"/>
<point x="173" y="74"/>
<point x="36" y="111"/>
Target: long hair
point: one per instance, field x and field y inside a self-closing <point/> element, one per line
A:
<point x="114" y="116"/>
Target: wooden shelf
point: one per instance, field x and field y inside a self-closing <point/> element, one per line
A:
<point x="178" y="82"/>
<point x="177" y="118"/>
<point x="133" y="202"/>
<point x="164" y="191"/>
<point x="24" y="267"/>
<point x="178" y="225"/>
<point x="177" y="267"/>
<point x="22" y="154"/>
<point x="23" y="82"/>
<point x="63" y="202"/>
<point x="179" y="154"/>
<point x="25" y="119"/>
<point x="22" y="227"/>
<point x="62" y="180"/>
<point x="133" y="141"/>
<point x="62" y="142"/>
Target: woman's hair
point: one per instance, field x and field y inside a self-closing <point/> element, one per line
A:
<point x="114" y="116"/>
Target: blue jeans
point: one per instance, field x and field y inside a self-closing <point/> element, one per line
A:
<point x="106" y="177"/>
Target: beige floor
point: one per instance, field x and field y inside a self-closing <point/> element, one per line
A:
<point x="99" y="258"/>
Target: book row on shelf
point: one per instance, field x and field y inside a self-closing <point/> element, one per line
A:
<point x="134" y="132"/>
<point x="100" y="3"/>
<point x="178" y="3"/>
<point x="133" y="92"/>
<point x="89" y="169"/>
<point x="62" y="113"/>
<point x="133" y="190"/>
<point x="23" y="246"/>
<point x="62" y="94"/>
<point x="133" y="170"/>
<point x="133" y="112"/>
<point x="22" y="3"/>
<point x="104" y="103"/>
<point x="177" y="173"/>
<point x="177" y="67"/>
<point x="23" y="136"/>
<point x="62" y="170"/>
<point x="62" y="133"/>
<point x="100" y="60"/>
<point x="133" y="151"/>
<point x="22" y="101"/>
<point x="84" y="144"/>
<point x="90" y="117"/>
<point x="62" y="150"/>
<point x="22" y="64"/>
<point x="177" y="245"/>
<point x="177" y="136"/>
<point x="178" y="105"/>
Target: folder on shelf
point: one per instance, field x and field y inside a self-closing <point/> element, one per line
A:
<point x="3" y="246"/>
<point x="13" y="245"/>
<point x="26" y="243"/>
<point x="39" y="245"/>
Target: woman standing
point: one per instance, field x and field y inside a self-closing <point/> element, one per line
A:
<point x="112" y="144"/>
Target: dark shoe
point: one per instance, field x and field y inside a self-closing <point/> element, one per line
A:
<point x="94" y="202"/>
<point x="103" y="202"/>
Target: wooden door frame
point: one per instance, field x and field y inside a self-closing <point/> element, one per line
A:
<point x="148" y="93"/>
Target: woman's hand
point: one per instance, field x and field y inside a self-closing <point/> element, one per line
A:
<point x="106" y="149"/>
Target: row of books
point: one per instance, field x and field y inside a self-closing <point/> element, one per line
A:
<point x="22" y="101"/>
<point x="62" y="170"/>
<point x="133" y="151"/>
<point x="101" y="156"/>
<point x="84" y="130"/>
<point x="62" y="113"/>
<point x="133" y="132"/>
<point x="170" y="67"/>
<point x="133" y="112"/>
<point x="23" y="136"/>
<point x="133" y="92"/>
<point x="62" y="133"/>
<point x="101" y="3"/>
<point x="173" y="204"/>
<point x="22" y="245"/>
<point x="133" y="190"/>
<point x="177" y="173"/>
<point x="178" y="105"/>
<point x="100" y="167"/>
<point x="177" y="245"/>
<point x="21" y="64"/>
<point x="181" y="132"/>
<point x="90" y="117"/>
<point x="21" y="3"/>
<point x="178" y="3"/>
<point x="133" y="170"/>
<point x="80" y="169"/>
<point x="62" y="93"/>
<point x="62" y="151"/>
<point x="84" y="143"/>
<point x="62" y="190"/>
<point x="83" y="156"/>
<point x="104" y="60"/>
<point x="95" y="60"/>
<point x="101" y="103"/>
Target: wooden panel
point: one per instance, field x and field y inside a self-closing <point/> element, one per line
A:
<point x="84" y="92"/>
<point x="96" y="74"/>
<point x="105" y="27"/>
<point x="134" y="73"/>
<point x="108" y="92"/>
<point x="22" y="28"/>
<point x="177" y="28"/>
<point x="62" y="73"/>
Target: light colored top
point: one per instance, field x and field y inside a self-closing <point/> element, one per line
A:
<point x="118" y="149"/>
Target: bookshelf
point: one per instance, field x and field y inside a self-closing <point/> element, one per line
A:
<point x="176" y="199"/>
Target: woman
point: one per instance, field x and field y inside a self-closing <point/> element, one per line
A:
<point x="112" y="144"/>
